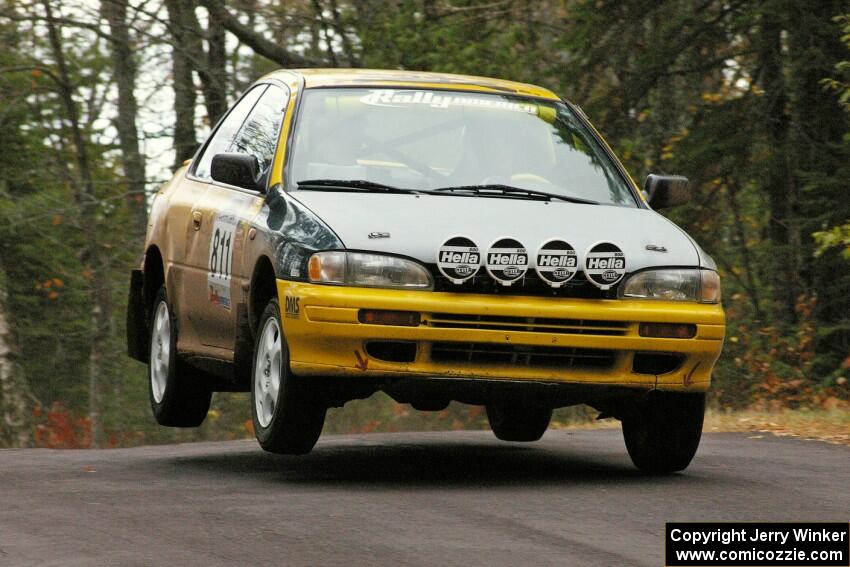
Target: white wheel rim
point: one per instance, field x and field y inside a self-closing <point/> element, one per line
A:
<point x="160" y="351"/>
<point x="267" y="369"/>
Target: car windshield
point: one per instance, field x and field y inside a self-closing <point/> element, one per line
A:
<point x="428" y="139"/>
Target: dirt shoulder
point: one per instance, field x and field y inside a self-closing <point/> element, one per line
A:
<point x="830" y="426"/>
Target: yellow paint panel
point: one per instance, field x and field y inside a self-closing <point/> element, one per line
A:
<point x="280" y="154"/>
<point x="317" y="78"/>
<point x="326" y="339"/>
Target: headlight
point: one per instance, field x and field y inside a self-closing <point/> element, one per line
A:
<point x="368" y="270"/>
<point x="674" y="285"/>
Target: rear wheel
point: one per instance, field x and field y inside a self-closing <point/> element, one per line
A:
<point x="288" y="418"/>
<point x="664" y="434"/>
<point x="178" y="397"/>
<point x="518" y="423"/>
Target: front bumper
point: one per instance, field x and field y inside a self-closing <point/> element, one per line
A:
<point x="472" y="336"/>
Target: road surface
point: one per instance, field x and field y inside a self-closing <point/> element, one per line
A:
<point x="459" y="498"/>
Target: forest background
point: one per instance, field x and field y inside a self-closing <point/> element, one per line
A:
<point x="99" y="100"/>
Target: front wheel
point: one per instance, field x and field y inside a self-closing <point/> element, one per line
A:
<point x="287" y="417"/>
<point x="519" y="423"/>
<point x="663" y="435"/>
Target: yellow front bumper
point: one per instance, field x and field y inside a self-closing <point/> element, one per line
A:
<point x="325" y="336"/>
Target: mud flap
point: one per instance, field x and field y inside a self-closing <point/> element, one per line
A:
<point x="137" y="325"/>
<point x="243" y="351"/>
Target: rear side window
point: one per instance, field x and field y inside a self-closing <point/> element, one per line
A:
<point x="258" y="136"/>
<point x="222" y="138"/>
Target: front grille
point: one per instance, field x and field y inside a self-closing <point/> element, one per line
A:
<point x="578" y="287"/>
<point x="522" y="355"/>
<point x="528" y="324"/>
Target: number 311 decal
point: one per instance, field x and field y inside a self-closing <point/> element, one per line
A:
<point x="221" y="260"/>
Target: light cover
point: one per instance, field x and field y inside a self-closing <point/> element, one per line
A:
<point x="674" y="285"/>
<point x="368" y="270"/>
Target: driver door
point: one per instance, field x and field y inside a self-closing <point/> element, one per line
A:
<point x="226" y="212"/>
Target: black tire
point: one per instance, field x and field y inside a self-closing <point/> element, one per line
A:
<point x="185" y="400"/>
<point x="519" y="423"/>
<point x="298" y="415"/>
<point x="663" y="435"/>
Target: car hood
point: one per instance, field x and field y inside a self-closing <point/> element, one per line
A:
<point x="417" y="225"/>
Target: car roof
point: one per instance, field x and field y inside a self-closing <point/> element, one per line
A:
<point x="319" y="78"/>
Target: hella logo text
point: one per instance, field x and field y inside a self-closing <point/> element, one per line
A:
<point x="606" y="263"/>
<point x="449" y="257"/>
<point x="507" y="259"/>
<point x="554" y="261"/>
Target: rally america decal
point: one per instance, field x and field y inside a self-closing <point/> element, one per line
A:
<point x="401" y="98"/>
<point x="458" y="259"/>
<point x="556" y="262"/>
<point x="604" y="265"/>
<point x="507" y="261"/>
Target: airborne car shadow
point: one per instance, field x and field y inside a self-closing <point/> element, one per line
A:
<point x="426" y="460"/>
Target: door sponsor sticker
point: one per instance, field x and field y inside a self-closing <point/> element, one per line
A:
<point x="293" y="307"/>
<point x="459" y="259"/>
<point x="220" y="264"/>
<point x="507" y="261"/>
<point x="556" y="262"/>
<point x="604" y="265"/>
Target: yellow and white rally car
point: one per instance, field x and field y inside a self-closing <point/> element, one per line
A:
<point x="436" y="237"/>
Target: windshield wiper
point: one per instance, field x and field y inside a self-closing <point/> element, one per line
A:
<point x="499" y="189"/>
<point x="491" y="190"/>
<point x="352" y="184"/>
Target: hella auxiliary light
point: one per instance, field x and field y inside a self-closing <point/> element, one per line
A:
<point x="368" y="270"/>
<point x="696" y="285"/>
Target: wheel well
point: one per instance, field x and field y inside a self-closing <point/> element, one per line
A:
<point x="154" y="271"/>
<point x="263" y="289"/>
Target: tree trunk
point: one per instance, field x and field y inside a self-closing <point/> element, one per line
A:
<point x="319" y="14"/>
<point x="115" y="13"/>
<point x="216" y="97"/>
<point x="208" y="63"/>
<point x="347" y="48"/>
<point x="93" y="259"/>
<point x="256" y="41"/>
<point x="817" y="149"/>
<point x="778" y="182"/>
<point x="185" y="143"/>
<point x="15" y="430"/>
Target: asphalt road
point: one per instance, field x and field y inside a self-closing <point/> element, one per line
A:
<point x="458" y="498"/>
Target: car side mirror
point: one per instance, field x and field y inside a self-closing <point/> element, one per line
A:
<point x="241" y="170"/>
<point x="664" y="191"/>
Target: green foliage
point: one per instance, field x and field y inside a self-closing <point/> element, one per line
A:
<point x="836" y="237"/>
<point x="841" y="83"/>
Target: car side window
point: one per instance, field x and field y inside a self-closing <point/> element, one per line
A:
<point x="258" y="136"/>
<point x="222" y="138"/>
